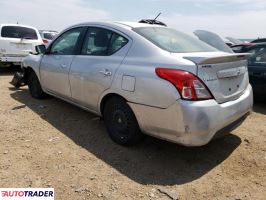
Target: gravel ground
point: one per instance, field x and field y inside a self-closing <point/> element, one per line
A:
<point x="50" y="143"/>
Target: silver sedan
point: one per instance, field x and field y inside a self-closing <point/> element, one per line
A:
<point x="144" y="79"/>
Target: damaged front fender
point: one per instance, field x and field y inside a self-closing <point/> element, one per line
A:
<point x="19" y="79"/>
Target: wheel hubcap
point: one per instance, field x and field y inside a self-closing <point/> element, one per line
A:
<point x="120" y="121"/>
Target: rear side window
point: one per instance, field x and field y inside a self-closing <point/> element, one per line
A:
<point x="19" y="32"/>
<point x="102" y="42"/>
<point x="117" y="42"/>
<point x="172" y="40"/>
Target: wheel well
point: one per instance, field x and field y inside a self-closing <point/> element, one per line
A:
<point x="28" y="70"/>
<point x="106" y="98"/>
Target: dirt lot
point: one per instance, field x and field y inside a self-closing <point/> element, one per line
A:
<point x="51" y="143"/>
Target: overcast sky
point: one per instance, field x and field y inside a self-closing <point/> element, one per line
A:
<point x="236" y="18"/>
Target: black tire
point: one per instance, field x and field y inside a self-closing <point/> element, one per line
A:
<point x="121" y="122"/>
<point x="35" y="86"/>
<point x="17" y="86"/>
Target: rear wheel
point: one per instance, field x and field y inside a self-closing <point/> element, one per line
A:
<point x="35" y="86"/>
<point x="121" y="122"/>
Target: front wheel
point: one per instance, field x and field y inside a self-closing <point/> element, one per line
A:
<point x="121" y="122"/>
<point x="35" y="86"/>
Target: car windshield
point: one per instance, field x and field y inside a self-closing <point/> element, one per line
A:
<point x="172" y="40"/>
<point x="19" y="32"/>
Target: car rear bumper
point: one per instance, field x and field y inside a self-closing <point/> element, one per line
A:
<point x="193" y="123"/>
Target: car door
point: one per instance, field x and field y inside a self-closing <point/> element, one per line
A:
<point x="257" y="69"/>
<point x="55" y="65"/>
<point x="93" y="70"/>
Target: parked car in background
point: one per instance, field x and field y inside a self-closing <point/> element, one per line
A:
<point x="16" y="41"/>
<point x="144" y="78"/>
<point x="257" y="68"/>
<point x="259" y="40"/>
<point x="47" y="36"/>
<point x="241" y="47"/>
<point x="228" y="43"/>
<point x="234" y="41"/>
<point x="213" y="40"/>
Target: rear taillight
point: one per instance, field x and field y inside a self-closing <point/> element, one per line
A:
<point x="189" y="86"/>
<point x="45" y="41"/>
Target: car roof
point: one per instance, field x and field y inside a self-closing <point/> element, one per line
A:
<point x="18" y="25"/>
<point x="124" y="24"/>
<point x="125" y="27"/>
<point x="48" y="31"/>
<point x="137" y="24"/>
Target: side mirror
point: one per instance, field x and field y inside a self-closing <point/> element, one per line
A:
<point x="40" y="49"/>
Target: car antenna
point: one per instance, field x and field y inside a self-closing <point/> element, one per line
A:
<point x="153" y="21"/>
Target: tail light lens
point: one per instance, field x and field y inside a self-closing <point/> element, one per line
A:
<point x="45" y="41"/>
<point x="189" y="86"/>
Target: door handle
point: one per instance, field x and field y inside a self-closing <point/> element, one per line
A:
<point x="106" y="72"/>
<point x="63" y="65"/>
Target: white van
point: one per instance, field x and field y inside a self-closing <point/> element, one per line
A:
<point x="16" y="41"/>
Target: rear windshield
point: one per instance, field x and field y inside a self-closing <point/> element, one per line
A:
<point x="18" y="32"/>
<point x="49" y="36"/>
<point x="172" y="40"/>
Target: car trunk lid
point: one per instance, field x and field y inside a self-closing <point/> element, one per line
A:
<point x="225" y="75"/>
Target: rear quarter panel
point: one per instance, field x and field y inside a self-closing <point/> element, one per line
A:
<point x="140" y="63"/>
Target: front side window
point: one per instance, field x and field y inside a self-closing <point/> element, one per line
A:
<point x="19" y="32"/>
<point x="172" y="40"/>
<point x="66" y="43"/>
<point x="258" y="56"/>
<point x="102" y="42"/>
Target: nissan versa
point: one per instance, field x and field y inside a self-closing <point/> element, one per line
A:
<point x="144" y="79"/>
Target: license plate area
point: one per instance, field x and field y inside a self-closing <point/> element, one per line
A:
<point x="20" y="46"/>
<point x="227" y="73"/>
<point x="232" y="85"/>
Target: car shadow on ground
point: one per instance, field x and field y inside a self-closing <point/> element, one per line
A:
<point x="151" y="162"/>
<point x="7" y="71"/>
<point x="260" y="105"/>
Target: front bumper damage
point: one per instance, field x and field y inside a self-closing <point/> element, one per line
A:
<point x="19" y="79"/>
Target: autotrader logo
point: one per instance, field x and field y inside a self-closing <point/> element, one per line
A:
<point x="26" y="193"/>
